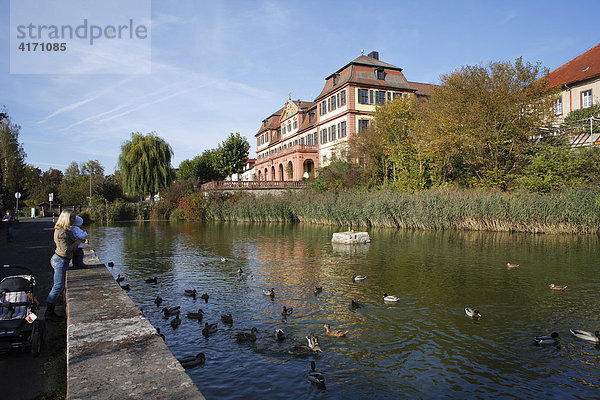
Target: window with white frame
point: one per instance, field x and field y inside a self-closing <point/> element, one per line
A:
<point x="558" y="110"/>
<point x="586" y="99"/>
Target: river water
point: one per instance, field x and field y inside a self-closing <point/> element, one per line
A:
<point x="423" y="346"/>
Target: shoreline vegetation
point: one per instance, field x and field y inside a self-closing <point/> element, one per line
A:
<point x="564" y="212"/>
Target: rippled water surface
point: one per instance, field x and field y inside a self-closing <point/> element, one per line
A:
<point x="420" y="347"/>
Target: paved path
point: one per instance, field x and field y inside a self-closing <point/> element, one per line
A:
<point x="21" y="375"/>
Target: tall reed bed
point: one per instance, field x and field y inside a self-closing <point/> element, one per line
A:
<point x="565" y="212"/>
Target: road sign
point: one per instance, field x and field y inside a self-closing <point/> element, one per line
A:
<point x="50" y="196"/>
<point x="17" y="195"/>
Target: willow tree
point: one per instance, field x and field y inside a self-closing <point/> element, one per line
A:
<point x="145" y="164"/>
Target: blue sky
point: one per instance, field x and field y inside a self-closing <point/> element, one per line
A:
<point x="223" y="66"/>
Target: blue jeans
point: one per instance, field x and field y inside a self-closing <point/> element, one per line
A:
<point x="60" y="266"/>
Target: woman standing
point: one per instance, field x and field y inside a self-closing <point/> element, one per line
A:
<point x="66" y="243"/>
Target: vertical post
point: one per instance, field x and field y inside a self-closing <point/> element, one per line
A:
<point x="90" y="202"/>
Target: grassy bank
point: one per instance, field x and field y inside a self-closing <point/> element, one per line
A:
<point x="576" y="212"/>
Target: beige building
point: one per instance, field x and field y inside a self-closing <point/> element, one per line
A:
<point x="305" y="135"/>
<point x="579" y="80"/>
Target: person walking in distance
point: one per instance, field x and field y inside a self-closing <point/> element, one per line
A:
<point x="80" y="234"/>
<point x="9" y="220"/>
<point x="66" y="243"/>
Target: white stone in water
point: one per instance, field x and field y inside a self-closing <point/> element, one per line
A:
<point x="351" y="237"/>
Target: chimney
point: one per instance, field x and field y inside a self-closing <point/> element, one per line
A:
<point x="374" y="54"/>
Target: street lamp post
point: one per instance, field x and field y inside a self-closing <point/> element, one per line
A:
<point x="90" y="202"/>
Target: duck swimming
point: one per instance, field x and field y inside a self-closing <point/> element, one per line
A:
<point x="336" y="333"/>
<point x="287" y="311"/>
<point x="512" y="266"/>
<point x="313" y="342"/>
<point x="279" y="335"/>
<point x="199" y="315"/>
<point x="227" y="318"/>
<point x="550" y="339"/>
<point x="191" y="361"/>
<point x="318" y="289"/>
<point x="246" y="336"/>
<point x="355" y="305"/>
<point x="176" y="322"/>
<point x="190" y="292"/>
<point x="585" y="335"/>
<point x="111" y="264"/>
<point x="316" y="377"/>
<point x="158" y="300"/>
<point x="302" y="350"/>
<point x="269" y="292"/>
<point x="119" y="278"/>
<point x="557" y="287"/>
<point x="151" y="280"/>
<point x="240" y="271"/>
<point x="170" y="311"/>
<point x="390" y="298"/>
<point x="359" y="277"/>
<point x="223" y="259"/>
<point x="473" y="313"/>
<point x="126" y="287"/>
<point x="204" y="297"/>
<point x="209" y="329"/>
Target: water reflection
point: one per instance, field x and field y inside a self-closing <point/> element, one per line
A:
<point x="420" y="347"/>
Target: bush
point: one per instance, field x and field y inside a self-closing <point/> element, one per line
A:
<point x="339" y="174"/>
<point x="192" y="206"/>
<point x="176" y="215"/>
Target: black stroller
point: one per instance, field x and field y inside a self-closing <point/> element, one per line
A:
<point x="19" y="324"/>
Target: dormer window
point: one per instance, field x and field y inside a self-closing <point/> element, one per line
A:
<point x="336" y="78"/>
<point x="380" y="73"/>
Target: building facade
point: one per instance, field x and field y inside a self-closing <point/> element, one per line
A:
<point x="302" y="136"/>
<point x="579" y="81"/>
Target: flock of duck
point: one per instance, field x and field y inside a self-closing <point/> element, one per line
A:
<point x="553" y="338"/>
<point x="312" y="347"/>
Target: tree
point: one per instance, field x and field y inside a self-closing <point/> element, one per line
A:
<point x="95" y="175"/>
<point x="111" y="189"/>
<point x="74" y="186"/>
<point x="32" y="182"/>
<point x="204" y="168"/>
<point x="480" y="122"/>
<point x="392" y="146"/>
<point x="233" y="154"/>
<point x="12" y="159"/>
<point x="145" y="164"/>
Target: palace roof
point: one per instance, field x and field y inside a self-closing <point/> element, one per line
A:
<point x="362" y="70"/>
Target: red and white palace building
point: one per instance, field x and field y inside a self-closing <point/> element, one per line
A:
<point x="294" y="141"/>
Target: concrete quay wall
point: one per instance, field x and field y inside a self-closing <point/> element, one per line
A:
<point x="113" y="352"/>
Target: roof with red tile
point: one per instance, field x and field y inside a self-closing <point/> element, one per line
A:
<point x="423" y="89"/>
<point x="271" y="122"/>
<point x="582" y="67"/>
